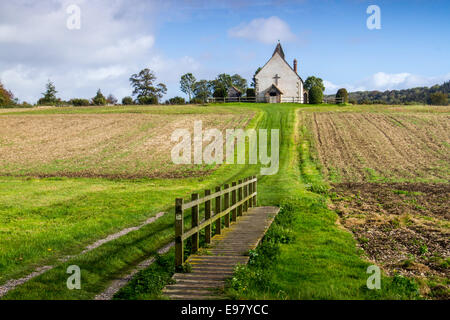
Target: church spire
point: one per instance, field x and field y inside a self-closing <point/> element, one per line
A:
<point x="279" y="50"/>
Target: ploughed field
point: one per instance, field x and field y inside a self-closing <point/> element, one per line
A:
<point x="389" y="172"/>
<point x="123" y="145"/>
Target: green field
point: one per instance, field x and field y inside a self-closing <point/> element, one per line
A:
<point x="44" y="219"/>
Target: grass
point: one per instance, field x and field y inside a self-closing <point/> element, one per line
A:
<point x="319" y="261"/>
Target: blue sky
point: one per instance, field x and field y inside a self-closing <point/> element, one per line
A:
<point x="330" y="39"/>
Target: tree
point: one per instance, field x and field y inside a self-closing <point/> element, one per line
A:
<point x="439" y="99"/>
<point x="239" y="82"/>
<point x="315" y="95"/>
<point x="49" y="96"/>
<point x="143" y="84"/>
<point x="99" y="99"/>
<point x="251" y="93"/>
<point x="222" y="82"/>
<point x="187" y="84"/>
<point x="111" y="99"/>
<point x="342" y="95"/>
<point x="6" y="97"/>
<point x="254" y="77"/>
<point x="314" y="82"/>
<point x="202" y="90"/>
<point x="126" y="101"/>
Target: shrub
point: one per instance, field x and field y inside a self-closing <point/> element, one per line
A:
<point x="315" y="95"/>
<point x="342" y="95"/>
<point x="251" y="93"/>
<point x="197" y="101"/>
<point x="147" y="100"/>
<point x="26" y="105"/>
<point x="439" y="99"/>
<point x="79" y="102"/>
<point x="127" y="101"/>
<point x="176" y="101"/>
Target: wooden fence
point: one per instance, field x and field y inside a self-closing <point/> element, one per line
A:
<point x="232" y="99"/>
<point x="243" y="195"/>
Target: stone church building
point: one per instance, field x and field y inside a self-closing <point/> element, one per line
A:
<point x="278" y="82"/>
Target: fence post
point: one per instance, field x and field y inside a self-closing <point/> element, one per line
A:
<point x="240" y="198"/>
<point x="226" y="205"/>
<point x="245" y="196"/>
<point x="233" y="202"/>
<point x="195" y="219"/>
<point x="179" y="228"/>
<point x="207" y="216"/>
<point x="218" y="222"/>
<point x="255" y="190"/>
<point x="250" y="192"/>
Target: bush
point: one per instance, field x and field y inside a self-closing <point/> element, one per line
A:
<point x="439" y="99"/>
<point x="342" y="95"/>
<point x="197" y="101"/>
<point x="176" y="101"/>
<point x="79" y="102"/>
<point x="147" y="100"/>
<point x="127" y="101"/>
<point x="315" y="95"/>
<point x="251" y="93"/>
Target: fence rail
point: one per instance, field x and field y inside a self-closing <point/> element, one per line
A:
<point x="232" y="99"/>
<point x="333" y="100"/>
<point x="243" y="196"/>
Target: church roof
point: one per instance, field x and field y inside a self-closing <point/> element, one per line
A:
<point x="279" y="50"/>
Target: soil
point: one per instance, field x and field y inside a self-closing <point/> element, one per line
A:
<point x="403" y="227"/>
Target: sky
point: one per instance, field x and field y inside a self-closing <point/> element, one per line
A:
<point x="117" y="38"/>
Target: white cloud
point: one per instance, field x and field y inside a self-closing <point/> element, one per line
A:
<point x="263" y="30"/>
<point x="382" y="81"/>
<point x="116" y="39"/>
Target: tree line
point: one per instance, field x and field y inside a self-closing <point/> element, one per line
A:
<point x="435" y="95"/>
<point x="146" y="91"/>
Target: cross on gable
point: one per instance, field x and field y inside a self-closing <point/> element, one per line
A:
<point x="276" y="79"/>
